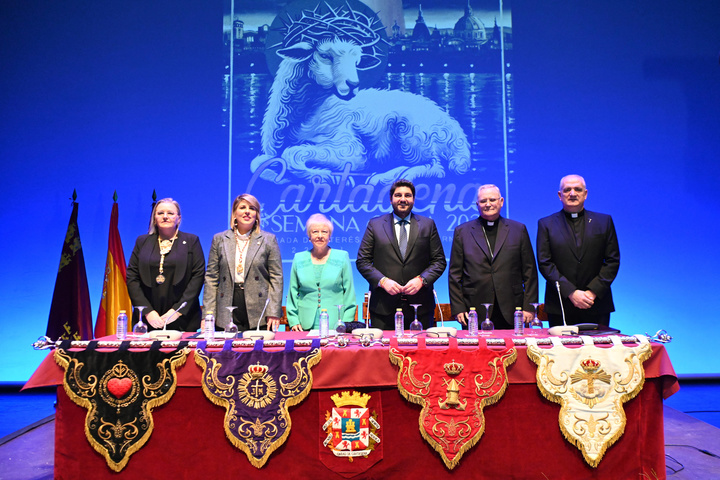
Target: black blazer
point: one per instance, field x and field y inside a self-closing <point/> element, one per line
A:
<point x="379" y="256"/>
<point x="476" y="277"/>
<point x="187" y="279"/>
<point x="593" y="267"/>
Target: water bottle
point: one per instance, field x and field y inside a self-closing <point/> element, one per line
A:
<point x="209" y="327"/>
<point x="324" y="323"/>
<point x="472" y="322"/>
<point x="399" y="323"/>
<point x="122" y="322"/>
<point x="519" y="322"/>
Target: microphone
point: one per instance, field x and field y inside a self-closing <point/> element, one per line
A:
<point x="562" y="307"/>
<point x="437" y="302"/>
<point x="174" y="313"/>
<point x="262" y="314"/>
<point x="565" y="329"/>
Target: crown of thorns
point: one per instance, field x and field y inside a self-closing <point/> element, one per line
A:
<point x="343" y="23"/>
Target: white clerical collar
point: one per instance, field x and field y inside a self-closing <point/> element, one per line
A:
<point x="573" y="215"/>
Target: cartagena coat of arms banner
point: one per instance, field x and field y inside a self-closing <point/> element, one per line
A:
<point x="119" y="390"/>
<point x="453" y="386"/>
<point x="257" y="388"/>
<point x="591" y="384"/>
<point x="351" y="440"/>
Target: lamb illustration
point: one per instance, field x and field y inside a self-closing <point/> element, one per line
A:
<point x="318" y="120"/>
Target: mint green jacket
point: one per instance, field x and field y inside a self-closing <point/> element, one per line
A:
<point x="306" y="297"/>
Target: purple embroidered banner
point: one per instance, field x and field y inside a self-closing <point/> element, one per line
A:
<point x="256" y="388"/>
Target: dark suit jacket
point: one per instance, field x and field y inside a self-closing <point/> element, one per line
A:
<point x="379" y="256"/>
<point x="187" y="280"/>
<point x="475" y="277"/>
<point x="593" y="267"/>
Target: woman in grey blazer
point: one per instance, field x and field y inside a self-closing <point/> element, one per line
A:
<point x="244" y="270"/>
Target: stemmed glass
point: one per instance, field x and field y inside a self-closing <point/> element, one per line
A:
<point x="140" y="329"/>
<point x="487" y="327"/>
<point x="231" y="330"/>
<point x="535" y="322"/>
<point x="415" y="326"/>
<point x="340" y="327"/>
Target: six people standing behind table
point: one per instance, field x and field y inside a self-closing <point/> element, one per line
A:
<point x="244" y="270"/>
<point x="579" y="250"/>
<point x="321" y="278"/>
<point x="166" y="268"/>
<point x="401" y="256"/>
<point x="492" y="261"/>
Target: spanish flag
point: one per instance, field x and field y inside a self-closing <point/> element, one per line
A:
<point x="115" y="293"/>
<point x="70" y="313"/>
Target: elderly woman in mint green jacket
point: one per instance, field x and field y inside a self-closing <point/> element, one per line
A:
<point x="321" y="278"/>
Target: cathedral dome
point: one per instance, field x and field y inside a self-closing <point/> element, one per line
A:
<point x="469" y="27"/>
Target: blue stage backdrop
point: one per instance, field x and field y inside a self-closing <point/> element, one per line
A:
<point x="186" y="98"/>
<point x="328" y="102"/>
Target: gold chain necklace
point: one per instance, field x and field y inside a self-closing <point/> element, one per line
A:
<point x="165" y="247"/>
<point x="241" y="246"/>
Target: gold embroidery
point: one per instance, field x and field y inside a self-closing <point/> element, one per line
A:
<point x="256" y="389"/>
<point x="591" y="393"/>
<point x="439" y="428"/>
<point x="591" y="398"/>
<point x="115" y="378"/>
<point x="119" y="387"/>
<point x="452" y="395"/>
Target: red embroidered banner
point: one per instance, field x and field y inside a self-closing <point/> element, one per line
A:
<point x="453" y="386"/>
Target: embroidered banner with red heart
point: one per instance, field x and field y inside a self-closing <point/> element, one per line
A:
<point x="453" y="385"/>
<point x="119" y="389"/>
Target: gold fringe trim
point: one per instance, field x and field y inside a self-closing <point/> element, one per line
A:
<point x="397" y="358"/>
<point x="202" y="360"/>
<point x="177" y="360"/>
<point x="644" y="353"/>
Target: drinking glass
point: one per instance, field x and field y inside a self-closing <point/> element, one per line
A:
<point x="140" y="329"/>
<point x="535" y="323"/>
<point x="487" y="327"/>
<point x="231" y="330"/>
<point x="340" y="327"/>
<point x="415" y="327"/>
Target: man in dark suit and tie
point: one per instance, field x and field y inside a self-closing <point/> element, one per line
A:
<point x="401" y="257"/>
<point x="492" y="261"/>
<point x="579" y="250"/>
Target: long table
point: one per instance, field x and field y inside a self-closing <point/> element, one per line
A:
<point x="522" y="438"/>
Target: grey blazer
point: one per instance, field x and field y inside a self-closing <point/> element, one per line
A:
<point x="263" y="277"/>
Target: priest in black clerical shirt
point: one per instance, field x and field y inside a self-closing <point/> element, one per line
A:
<point x="579" y="250"/>
<point x="492" y="261"/>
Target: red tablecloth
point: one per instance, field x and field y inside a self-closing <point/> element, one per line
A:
<point x="522" y="437"/>
<point x="370" y="367"/>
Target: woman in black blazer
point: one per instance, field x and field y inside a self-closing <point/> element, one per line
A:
<point x="167" y="269"/>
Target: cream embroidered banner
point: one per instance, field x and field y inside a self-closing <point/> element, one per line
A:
<point x="591" y="384"/>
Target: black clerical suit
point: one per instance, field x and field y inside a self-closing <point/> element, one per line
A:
<point x="379" y="256"/>
<point x="507" y="274"/>
<point x="581" y="254"/>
